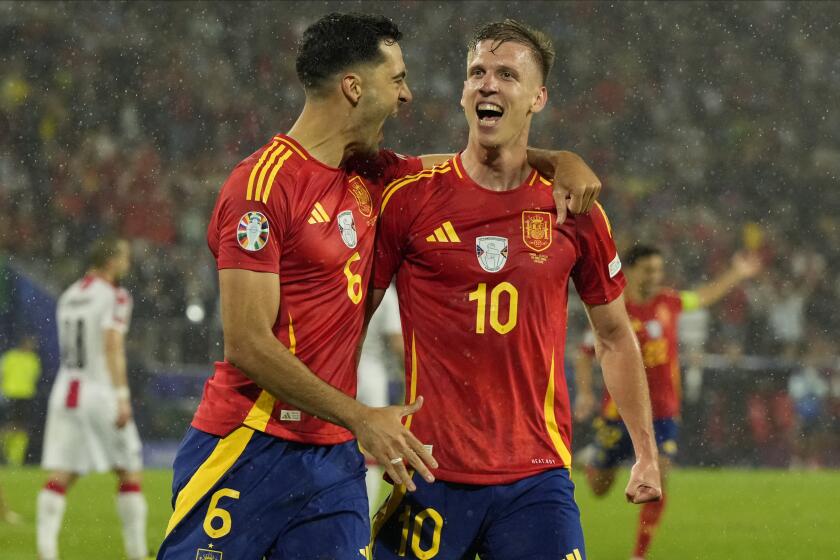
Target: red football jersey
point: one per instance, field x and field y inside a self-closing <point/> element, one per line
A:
<point x="655" y="323"/>
<point x="281" y="211"/>
<point x="482" y="280"/>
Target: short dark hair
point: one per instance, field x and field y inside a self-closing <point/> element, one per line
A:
<point x="517" y="32"/>
<point x="639" y="252"/>
<point x="103" y="250"/>
<point x="337" y="41"/>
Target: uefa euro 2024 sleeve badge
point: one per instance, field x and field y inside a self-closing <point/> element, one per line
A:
<point x="492" y="252"/>
<point x="347" y="228"/>
<point x="253" y="230"/>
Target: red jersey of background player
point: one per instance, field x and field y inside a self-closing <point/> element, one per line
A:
<point x="482" y="279"/>
<point x="282" y="211"/>
<point x="655" y="323"/>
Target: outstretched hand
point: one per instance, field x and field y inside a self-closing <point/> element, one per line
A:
<point x="382" y="435"/>
<point x="746" y="265"/>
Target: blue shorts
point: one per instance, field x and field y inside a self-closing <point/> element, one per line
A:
<point x="613" y="444"/>
<point x="250" y="496"/>
<point x="535" y="518"/>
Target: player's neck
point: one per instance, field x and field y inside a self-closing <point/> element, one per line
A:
<point x="102" y="274"/>
<point x="323" y="132"/>
<point x="499" y="168"/>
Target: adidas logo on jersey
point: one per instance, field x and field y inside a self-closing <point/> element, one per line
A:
<point x="318" y="215"/>
<point x="444" y="234"/>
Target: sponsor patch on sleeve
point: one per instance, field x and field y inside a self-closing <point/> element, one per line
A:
<point x="615" y="266"/>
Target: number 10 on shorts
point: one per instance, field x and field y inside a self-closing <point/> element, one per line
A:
<point x="416" y="532"/>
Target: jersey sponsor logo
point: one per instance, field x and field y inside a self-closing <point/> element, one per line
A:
<point x="252" y="232"/>
<point x="290" y="415"/>
<point x="318" y="215"/>
<point x="362" y="196"/>
<point x="492" y="252"/>
<point x="536" y="230"/>
<point x="444" y="234"/>
<point x="615" y="266"/>
<point x="205" y="554"/>
<point x="347" y="228"/>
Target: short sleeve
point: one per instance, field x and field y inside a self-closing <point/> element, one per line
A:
<point x="118" y="313"/>
<point x="247" y="232"/>
<point x="597" y="273"/>
<point x="688" y="300"/>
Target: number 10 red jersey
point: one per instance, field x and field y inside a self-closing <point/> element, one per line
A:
<point x="482" y="279"/>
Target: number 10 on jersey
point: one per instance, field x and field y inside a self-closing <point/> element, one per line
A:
<point x="479" y="295"/>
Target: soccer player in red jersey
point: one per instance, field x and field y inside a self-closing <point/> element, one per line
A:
<point x="269" y="467"/>
<point x="654" y="313"/>
<point x="482" y="272"/>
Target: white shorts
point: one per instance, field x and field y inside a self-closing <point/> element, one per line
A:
<point x="372" y="386"/>
<point x="81" y="434"/>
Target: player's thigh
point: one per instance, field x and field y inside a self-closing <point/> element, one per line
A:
<point x="333" y="525"/>
<point x="65" y="442"/>
<point x="666" y="431"/>
<point x="439" y="521"/>
<point x="372" y="388"/>
<point x="223" y="504"/>
<point x="536" y="519"/>
<point x="126" y="450"/>
<point x="612" y="444"/>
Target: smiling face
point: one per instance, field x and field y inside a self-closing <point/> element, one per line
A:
<point x="503" y="89"/>
<point x="383" y="90"/>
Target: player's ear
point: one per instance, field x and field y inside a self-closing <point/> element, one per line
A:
<point x="540" y="100"/>
<point x="351" y="87"/>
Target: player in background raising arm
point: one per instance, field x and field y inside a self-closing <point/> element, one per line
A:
<point x="654" y="314"/>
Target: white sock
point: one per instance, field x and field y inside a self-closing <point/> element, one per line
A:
<point x="133" y="509"/>
<point x="373" y="482"/>
<point x="50" y="513"/>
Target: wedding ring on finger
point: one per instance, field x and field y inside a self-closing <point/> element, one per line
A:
<point x="397" y="461"/>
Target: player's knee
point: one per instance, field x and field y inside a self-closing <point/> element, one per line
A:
<point x="129" y="477"/>
<point x="62" y="479"/>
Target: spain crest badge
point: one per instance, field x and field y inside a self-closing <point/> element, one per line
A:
<point x="360" y="193"/>
<point x="536" y="230"/>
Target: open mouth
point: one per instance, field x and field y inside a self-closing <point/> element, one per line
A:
<point x="489" y="113"/>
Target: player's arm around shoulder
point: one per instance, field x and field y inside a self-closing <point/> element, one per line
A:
<point x="624" y="376"/>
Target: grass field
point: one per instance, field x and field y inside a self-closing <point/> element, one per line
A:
<point x="721" y="514"/>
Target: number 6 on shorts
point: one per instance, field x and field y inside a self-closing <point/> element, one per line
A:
<point x="215" y="512"/>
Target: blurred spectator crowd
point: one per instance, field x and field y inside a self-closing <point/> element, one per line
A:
<point x="713" y="126"/>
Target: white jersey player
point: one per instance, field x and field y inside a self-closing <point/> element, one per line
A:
<point x="382" y="347"/>
<point x="89" y="425"/>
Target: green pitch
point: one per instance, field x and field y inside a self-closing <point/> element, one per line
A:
<point x="726" y="514"/>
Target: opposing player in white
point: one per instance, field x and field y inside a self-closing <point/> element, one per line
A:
<point x="89" y="418"/>
<point x="383" y="348"/>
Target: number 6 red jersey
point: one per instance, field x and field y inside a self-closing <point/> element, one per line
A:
<point x="281" y="211"/>
<point x="482" y="280"/>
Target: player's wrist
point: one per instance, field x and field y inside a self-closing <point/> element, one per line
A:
<point x="122" y="393"/>
<point x="354" y="416"/>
